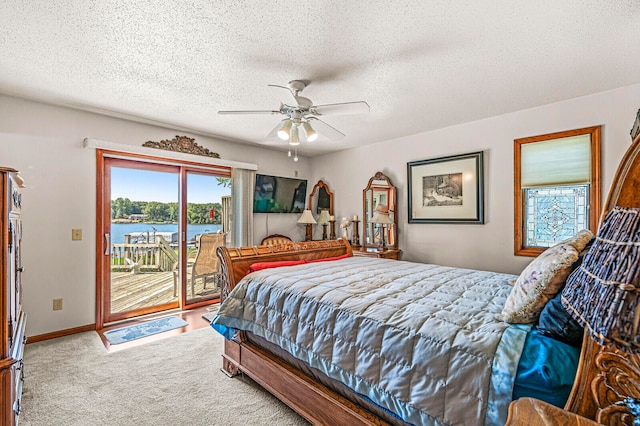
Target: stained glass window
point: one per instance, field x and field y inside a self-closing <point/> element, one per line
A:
<point x="557" y="188"/>
<point x="555" y="213"/>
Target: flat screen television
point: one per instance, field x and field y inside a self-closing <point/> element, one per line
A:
<point x="275" y="194"/>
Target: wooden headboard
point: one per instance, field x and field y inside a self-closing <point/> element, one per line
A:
<point x="235" y="262"/>
<point x="606" y="375"/>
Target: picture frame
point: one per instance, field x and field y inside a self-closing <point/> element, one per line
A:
<point x="447" y="189"/>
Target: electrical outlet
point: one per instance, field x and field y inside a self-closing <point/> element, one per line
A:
<point x="76" y="234"/>
<point x="57" y="304"/>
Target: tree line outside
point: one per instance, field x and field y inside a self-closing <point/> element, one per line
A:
<point x="154" y="211"/>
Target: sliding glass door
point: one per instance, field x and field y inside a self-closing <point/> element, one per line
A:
<point x="144" y="238"/>
<point x="159" y="227"/>
<point x="205" y="233"/>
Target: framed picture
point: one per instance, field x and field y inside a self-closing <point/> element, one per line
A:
<point x="447" y="189"/>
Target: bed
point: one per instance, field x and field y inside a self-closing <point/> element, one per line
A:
<point x="471" y="365"/>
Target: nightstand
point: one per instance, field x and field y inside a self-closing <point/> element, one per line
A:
<point x="394" y="254"/>
<point x="533" y="412"/>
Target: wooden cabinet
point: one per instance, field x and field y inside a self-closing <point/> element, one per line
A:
<point x="394" y="254"/>
<point x="12" y="330"/>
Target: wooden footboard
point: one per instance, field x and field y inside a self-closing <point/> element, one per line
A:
<point x="307" y="397"/>
<point x="235" y="262"/>
<point x="311" y="400"/>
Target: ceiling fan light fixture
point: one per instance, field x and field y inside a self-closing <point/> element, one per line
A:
<point x="309" y="132"/>
<point x="285" y="129"/>
<point x="295" y="138"/>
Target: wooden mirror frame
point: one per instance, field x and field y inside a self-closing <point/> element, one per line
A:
<point x="319" y="188"/>
<point x="391" y="233"/>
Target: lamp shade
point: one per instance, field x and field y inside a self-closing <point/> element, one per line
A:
<point x="295" y="137"/>
<point x="307" y="218"/>
<point x="285" y="129"/>
<point x="602" y="295"/>
<point x="381" y="218"/>
<point x="309" y="132"/>
<point x="324" y="217"/>
<point x="381" y="215"/>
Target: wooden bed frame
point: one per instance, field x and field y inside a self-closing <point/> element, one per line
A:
<point x="605" y="376"/>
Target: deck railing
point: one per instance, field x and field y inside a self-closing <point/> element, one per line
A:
<point x="158" y="256"/>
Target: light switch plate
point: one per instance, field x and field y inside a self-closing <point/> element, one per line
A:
<point x="76" y="234"/>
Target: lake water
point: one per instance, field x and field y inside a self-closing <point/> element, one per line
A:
<point x="119" y="230"/>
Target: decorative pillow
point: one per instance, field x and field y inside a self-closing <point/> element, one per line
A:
<point x="602" y="293"/>
<point x="577" y="242"/>
<point x="582" y="255"/>
<point x="540" y="281"/>
<point x="557" y="323"/>
<point x="580" y="240"/>
<point x="258" y="266"/>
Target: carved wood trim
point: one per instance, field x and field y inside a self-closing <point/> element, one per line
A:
<point x="618" y="377"/>
<point x="182" y="144"/>
<point x="606" y="376"/>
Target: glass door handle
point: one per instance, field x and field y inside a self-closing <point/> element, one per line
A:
<point x="107" y="239"/>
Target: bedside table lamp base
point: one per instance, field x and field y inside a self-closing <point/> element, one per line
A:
<point x="307" y="219"/>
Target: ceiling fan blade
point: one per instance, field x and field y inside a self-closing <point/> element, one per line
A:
<point x="358" y="107"/>
<point x="324" y="129"/>
<point x="287" y="89"/>
<point x="249" y="112"/>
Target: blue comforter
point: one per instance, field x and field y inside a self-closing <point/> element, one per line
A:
<point x="418" y="340"/>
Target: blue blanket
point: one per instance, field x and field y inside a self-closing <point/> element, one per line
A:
<point x="418" y="340"/>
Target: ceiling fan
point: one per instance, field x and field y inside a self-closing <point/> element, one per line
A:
<point x="302" y="113"/>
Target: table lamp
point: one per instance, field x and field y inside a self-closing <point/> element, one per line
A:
<point x="308" y="220"/>
<point x="323" y="220"/>
<point x="381" y="217"/>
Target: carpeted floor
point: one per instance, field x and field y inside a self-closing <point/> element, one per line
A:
<point x="174" y="381"/>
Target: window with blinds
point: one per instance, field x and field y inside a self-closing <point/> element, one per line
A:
<point x="557" y="188"/>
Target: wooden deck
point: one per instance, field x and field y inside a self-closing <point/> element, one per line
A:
<point x="131" y="291"/>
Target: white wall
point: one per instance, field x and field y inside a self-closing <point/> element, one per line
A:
<point x="45" y="144"/>
<point x="488" y="246"/>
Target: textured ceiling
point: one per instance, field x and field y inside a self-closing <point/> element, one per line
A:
<point x="420" y="65"/>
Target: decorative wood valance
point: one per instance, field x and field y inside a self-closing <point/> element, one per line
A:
<point x="163" y="156"/>
<point x="183" y="144"/>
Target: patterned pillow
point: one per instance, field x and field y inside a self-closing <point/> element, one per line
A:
<point x="580" y="240"/>
<point x="542" y="279"/>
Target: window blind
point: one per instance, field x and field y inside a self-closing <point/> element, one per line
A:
<point x="556" y="162"/>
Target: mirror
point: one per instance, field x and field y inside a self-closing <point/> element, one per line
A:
<point x="379" y="191"/>
<point x="321" y="199"/>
